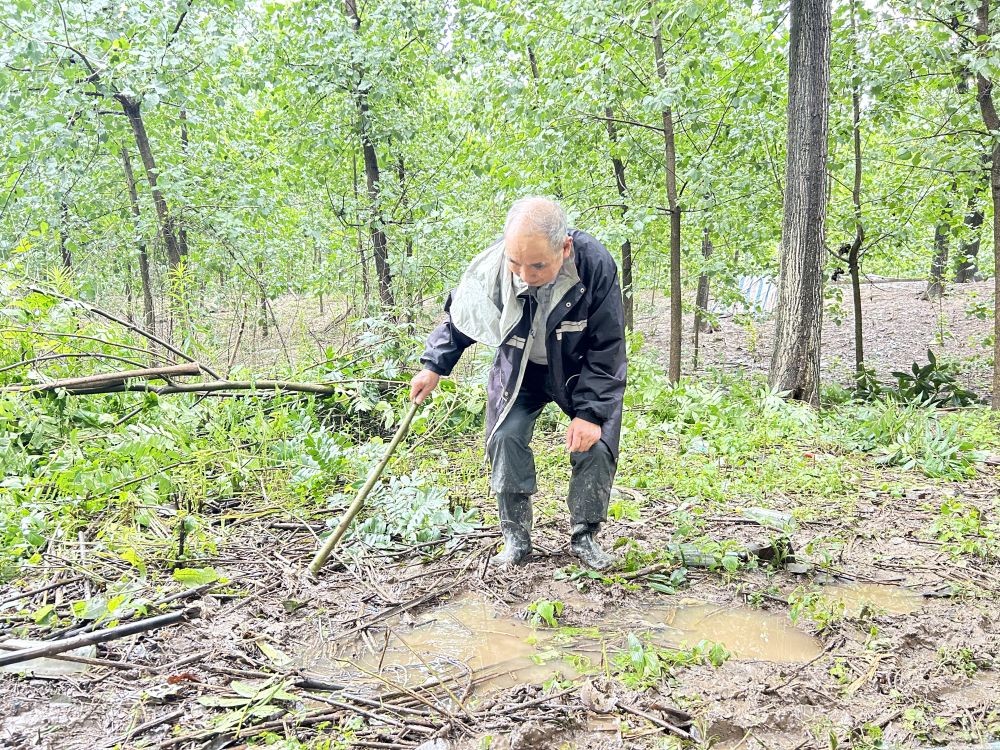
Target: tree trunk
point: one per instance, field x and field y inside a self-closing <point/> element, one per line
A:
<point x="935" y="284"/>
<point x="984" y="93"/>
<point x="362" y="255"/>
<point x="795" y="364"/>
<point x="132" y="111"/>
<point x="262" y="319"/>
<point x="670" y="164"/>
<point x="129" y="292"/>
<point x="628" y="298"/>
<point x="148" y="313"/>
<point x="182" y="235"/>
<point x="701" y="298"/>
<point x="854" y="254"/>
<point x="968" y="259"/>
<point x="404" y="203"/>
<point x="376" y="222"/>
<point x="67" y="258"/>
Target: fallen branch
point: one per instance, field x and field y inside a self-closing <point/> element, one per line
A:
<point x="89" y="661"/>
<point x="666" y="725"/>
<point x="151" y="724"/>
<point x="115" y="319"/>
<point x="260" y="386"/>
<point x="100" y="636"/>
<point x="109" y="379"/>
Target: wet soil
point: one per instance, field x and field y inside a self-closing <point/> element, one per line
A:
<point x="902" y="641"/>
<point x="911" y="650"/>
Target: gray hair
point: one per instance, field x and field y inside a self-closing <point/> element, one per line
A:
<point x="538" y="216"/>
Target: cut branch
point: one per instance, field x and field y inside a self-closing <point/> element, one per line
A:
<point x="99" y="636"/>
<point x="112" y="379"/>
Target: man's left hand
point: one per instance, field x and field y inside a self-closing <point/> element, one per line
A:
<point x="581" y="435"/>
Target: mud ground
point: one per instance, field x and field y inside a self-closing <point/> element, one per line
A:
<point x="926" y="678"/>
<point x="922" y="678"/>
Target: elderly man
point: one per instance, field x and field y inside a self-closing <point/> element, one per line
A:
<point x="548" y="299"/>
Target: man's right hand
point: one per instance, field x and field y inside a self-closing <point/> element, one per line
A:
<point x="422" y="384"/>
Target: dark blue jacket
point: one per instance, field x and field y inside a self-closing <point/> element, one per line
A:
<point x="585" y="345"/>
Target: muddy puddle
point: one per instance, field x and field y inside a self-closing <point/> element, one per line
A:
<point x="874" y="597"/>
<point x="461" y="638"/>
<point x="746" y="633"/>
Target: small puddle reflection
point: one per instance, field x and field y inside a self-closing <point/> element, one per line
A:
<point x="447" y="641"/>
<point x="878" y="596"/>
<point x="745" y="633"/>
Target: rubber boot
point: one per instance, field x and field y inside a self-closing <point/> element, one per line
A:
<point x="589" y="552"/>
<point x="515" y="525"/>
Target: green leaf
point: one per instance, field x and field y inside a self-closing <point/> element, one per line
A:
<point x="196" y="576"/>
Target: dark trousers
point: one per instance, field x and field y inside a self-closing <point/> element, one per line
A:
<point x="513" y="464"/>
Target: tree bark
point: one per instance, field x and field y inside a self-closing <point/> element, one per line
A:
<point x="182" y="235"/>
<point x="935" y="283"/>
<point x="984" y="94"/>
<point x="67" y="258"/>
<point x="148" y="312"/>
<point x="628" y="297"/>
<point x="670" y="164"/>
<point x="134" y="115"/>
<point x="968" y="260"/>
<point x="701" y="298"/>
<point x="854" y="253"/>
<point x="262" y="302"/>
<point x="362" y="255"/>
<point x="795" y="363"/>
<point x="376" y="222"/>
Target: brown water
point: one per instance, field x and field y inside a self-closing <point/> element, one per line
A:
<point x="877" y="596"/>
<point x="450" y="640"/>
<point x="746" y="633"/>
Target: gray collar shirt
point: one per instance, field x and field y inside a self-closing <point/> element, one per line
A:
<point x="545" y="297"/>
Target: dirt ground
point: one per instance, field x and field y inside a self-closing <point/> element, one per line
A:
<point x="921" y="675"/>
<point x="899" y="329"/>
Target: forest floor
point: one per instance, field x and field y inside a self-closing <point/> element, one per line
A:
<point x="880" y="630"/>
<point x="899" y="328"/>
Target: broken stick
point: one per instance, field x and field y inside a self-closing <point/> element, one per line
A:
<point x="100" y="636"/>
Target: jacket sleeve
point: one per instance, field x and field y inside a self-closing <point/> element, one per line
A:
<point x="445" y="346"/>
<point x="600" y="391"/>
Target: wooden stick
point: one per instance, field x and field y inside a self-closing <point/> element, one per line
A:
<point x="111" y="378"/>
<point x="653" y="720"/>
<point x="89" y="661"/>
<point x="43" y="589"/>
<point x="359" y="500"/>
<point x="151" y="724"/>
<point x="99" y="636"/>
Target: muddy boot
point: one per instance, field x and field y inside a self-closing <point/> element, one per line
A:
<point x="515" y="525"/>
<point x="588" y="551"/>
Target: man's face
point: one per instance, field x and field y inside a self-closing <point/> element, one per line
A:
<point x="531" y="258"/>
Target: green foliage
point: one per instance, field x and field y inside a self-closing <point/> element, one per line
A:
<point x="933" y="384"/>
<point x="409" y="509"/>
<point x="965" y="529"/>
<point x="905" y="435"/>
<point x="642" y="665"/>
<point x="822" y="611"/>
<point x="544" y="611"/>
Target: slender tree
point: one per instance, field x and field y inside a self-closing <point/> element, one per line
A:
<point x="795" y="364"/>
<point x="376" y="221"/>
<point x="619" y="169"/>
<point x="673" y="204"/>
<point x="984" y="89"/>
<point x="148" y="312"/>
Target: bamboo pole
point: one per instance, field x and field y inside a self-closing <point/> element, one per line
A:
<point x="334" y="539"/>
